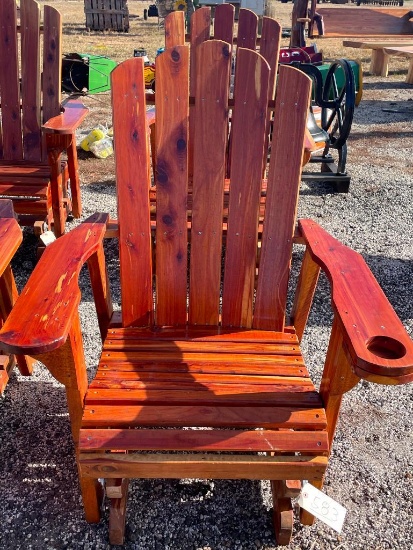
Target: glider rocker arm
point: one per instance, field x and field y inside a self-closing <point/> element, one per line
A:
<point x="71" y="117"/>
<point x="375" y="340"/>
<point x="46" y="310"/>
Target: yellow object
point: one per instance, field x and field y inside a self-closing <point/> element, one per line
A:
<point x="95" y="135"/>
<point x="180" y="5"/>
<point x="102" y="148"/>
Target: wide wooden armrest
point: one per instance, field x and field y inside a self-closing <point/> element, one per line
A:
<point x="71" y="117"/>
<point x="10" y="234"/>
<point x="42" y="316"/>
<point x="379" y="346"/>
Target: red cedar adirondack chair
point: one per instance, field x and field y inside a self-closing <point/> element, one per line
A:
<point x="31" y="169"/>
<point x="206" y="343"/>
<point x="10" y="239"/>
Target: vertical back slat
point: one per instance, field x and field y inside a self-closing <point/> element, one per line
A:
<point x="224" y="23"/>
<point x="290" y="117"/>
<point x="250" y="111"/>
<point x="52" y="62"/>
<point x="270" y="47"/>
<point x="132" y="180"/>
<point x="9" y="83"/>
<point x="200" y="31"/>
<point x="247" y="29"/>
<point x="270" y="50"/>
<point x="210" y="142"/>
<point x="175" y="29"/>
<point x="172" y="111"/>
<point x="30" y="79"/>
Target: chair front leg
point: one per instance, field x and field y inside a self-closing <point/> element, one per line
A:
<point x="73" y="168"/>
<point x="56" y="144"/>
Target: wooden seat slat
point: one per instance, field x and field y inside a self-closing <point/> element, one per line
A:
<point x="229" y="359"/>
<point x="196" y="378"/>
<point x="294" y="368"/>
<point x="9" y="190"/>
<point x="210" y="394"/>
<point x="176" y="347"/>
<point x="204" y="440"/>
<point x="114" y="416"/>
<point x="196" y="333"/>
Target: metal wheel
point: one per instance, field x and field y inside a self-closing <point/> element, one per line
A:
<point x="339" y="99"/>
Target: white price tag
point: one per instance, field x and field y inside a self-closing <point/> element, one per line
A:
<point x="322" y="507"/>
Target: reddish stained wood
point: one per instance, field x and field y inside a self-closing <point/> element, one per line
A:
<point x="101" y="290"/>
<point x="176" y="347"/>
<point x="33" y="190"/>
<point x="249" y="112"/>
<point x="131" y="142"/>
<point x="231" y="360"/>
<point x="210" y="143"/>
<point x="202" y="466"/>
<point x="172" y="111"/>
<point x="376" y="338"/>
<point x="203" y="440"/>
<point x="224" y="23"/>
<point x="304" y="293"/>
<point x="73" y="114"/>
<point x="290" y="119"/>
<point x="10" y="238"/>
<point x="247" y="29"/>
<point x="203" y="416"/>
<point x="73" y="169"/>
<point x="201" y="333"/>
<point x="41" y="320"/>
<point x="30" y="80"/>
<point x="211" y="395"/>
<point x="52" y="67"/>
<point x="175" y="29"/>
<point x="200" y="32"/>
<point x="9" y="83"/>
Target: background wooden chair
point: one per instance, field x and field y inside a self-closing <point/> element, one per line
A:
<point x="32" y="173"/>
<point x="207" y="342"/>
<point x="10" y="239"/>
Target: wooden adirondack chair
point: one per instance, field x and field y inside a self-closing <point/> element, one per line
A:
<point x="206" y="343"/>
<point x="10" y="239"/>
<point x="31" y="169"/>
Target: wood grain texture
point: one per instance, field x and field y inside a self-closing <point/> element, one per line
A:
<point x="250" y="111"/>
<point x="41" y="320"/>
<point x="202" y="466"/>
<point x="247" y="30"/>
<point x="377" y="341"/>
<point x="131" y="142"/>
<point x="30" y="80"/>
<point x="9" y="83"/>
<point x="224" y="23"/>
<point x="290" y="119"/>
<point x="381" y="21"/>
<point x="175" y="29"/>
<point x="172" y="112"/>
<point x="210" y="146"/>
<point x="205" y="440"/>
<point x="52" y="67"/>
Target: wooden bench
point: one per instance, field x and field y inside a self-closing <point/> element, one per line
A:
<point x="393" y="28"/>
<point x="381" y="53"/>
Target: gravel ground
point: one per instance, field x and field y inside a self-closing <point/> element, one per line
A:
<point x="371" y="469"/>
